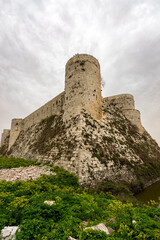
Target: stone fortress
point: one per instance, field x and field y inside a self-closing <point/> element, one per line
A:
<point x="82" y="91"/>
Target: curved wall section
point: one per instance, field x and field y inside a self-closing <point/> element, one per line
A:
<point x="125" y="102"/>
<point x="83" y="86"/>
<point x="122" y="101"/>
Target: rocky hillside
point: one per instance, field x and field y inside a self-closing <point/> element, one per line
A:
<point x="99" y="152"/>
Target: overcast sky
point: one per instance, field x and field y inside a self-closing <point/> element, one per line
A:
<point x="37" y="37"/>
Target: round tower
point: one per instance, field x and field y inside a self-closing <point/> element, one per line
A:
<point x="125" y="102"/>
<point x="83" y="86"/>
<point x="122" y="101"/>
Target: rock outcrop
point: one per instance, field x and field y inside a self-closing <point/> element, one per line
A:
<point x="96" y="151"/>
<point x="24" y="173"/>
<point x="8" y="233"/>
<point x="101" y="227"/>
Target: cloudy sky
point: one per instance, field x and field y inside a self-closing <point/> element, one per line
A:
<point x="37" y="37"/>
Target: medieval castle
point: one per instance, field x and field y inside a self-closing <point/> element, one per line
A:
<point x="82" y="91"/>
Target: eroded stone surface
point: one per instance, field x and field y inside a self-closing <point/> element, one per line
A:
<point x="24" y="173"/>
<point x="50" y="203"/>
<point x="8" y="233"/>
<point x="95" y="151"/>
<point x="101" y="227"/>
<point x="70" y="238"/>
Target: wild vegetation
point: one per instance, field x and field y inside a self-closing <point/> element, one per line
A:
<point x="15" y="162"/>
<point x="22" y="203"/>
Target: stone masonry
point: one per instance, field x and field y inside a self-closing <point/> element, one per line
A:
<point x="5" y="134"/>
<point x="83" y="87"/>
<point x="24" y="173"/>
<point x="82" y="91"/>
<point x="125" y="102"/>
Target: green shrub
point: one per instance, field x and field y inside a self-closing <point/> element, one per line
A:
<point x="22" y="203"/>
<point x="15" y="162"/>
<point x="89" y="234"/>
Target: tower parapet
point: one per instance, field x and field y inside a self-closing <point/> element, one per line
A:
<point x="83" y="86"/>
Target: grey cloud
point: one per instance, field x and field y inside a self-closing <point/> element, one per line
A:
<point x="38" y="37"/>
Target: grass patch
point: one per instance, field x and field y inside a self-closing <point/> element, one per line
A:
<point x="15" y="162"/>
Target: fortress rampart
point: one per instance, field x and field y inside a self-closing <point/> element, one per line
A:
<point x="5" y="134"/>
<point x="16" y="127"/>
<point x="53" y="107"/>
<point x="121" y="101"/>
<point x="125" y="102"/>
<point x="82" y="90"/>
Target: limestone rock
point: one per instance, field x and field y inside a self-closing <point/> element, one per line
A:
<point x="8" y="233"/>
<point x="101" y="227"/>
<point x="24" y="173"/>
<point x="70" y="238"/>
<point x="84" y="223"/>
<point x="50" y="203"/>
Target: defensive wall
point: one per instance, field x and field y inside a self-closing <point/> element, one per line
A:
<point x="16" y="127"/>
<point x="53" y="107"/>
<point x="82" y="90"/>
<point x="5" y="134"/>
<point x="125" y="102"/>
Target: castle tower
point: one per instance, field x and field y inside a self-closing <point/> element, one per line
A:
<point x="83" y="86"/>
<point x="125" y="102"/>
<point x="5" y="135"/>
<point x="16" y="126"/>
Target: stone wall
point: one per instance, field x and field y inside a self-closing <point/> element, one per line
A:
<point x="53" y="107"/>
<point x="16" y="127"/>
<point x="82" y="91"/>
<point x="125" y="102"/>
<point x="122" y="101"/>
<point x="5" y="134"/>
<point x="83" y="86"/>
<point x="134" y="116"/>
